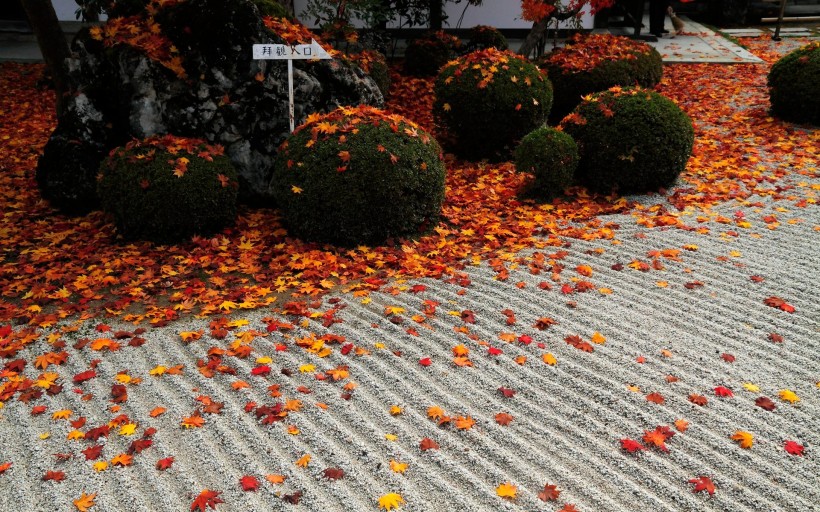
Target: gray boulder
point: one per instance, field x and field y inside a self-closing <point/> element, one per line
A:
<point x="225" y="97"/>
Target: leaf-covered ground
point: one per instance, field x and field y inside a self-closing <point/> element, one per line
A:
<point x="603" y="353"/>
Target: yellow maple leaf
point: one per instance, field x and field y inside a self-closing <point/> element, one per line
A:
<point x="61" y="415"/>
<point x="748" y="386"/>
<point x="398" y="467"/>
<point x="435" y="412"/>
<point x="100" y="465"/>
<point x="788" y="396"/>
<point x="549" y="359"/>
<point x="84" y="502"/>
<point x="390" y="501"/>
<point x="506" y="490"/>
<point x="157" y="370"/>
<point x="303" y="461"/>
<point x="128" y="429"/>
<point x="264" y="360"/>
<point x="396" y="410"/>
<point x="391" y="437"/>
<point x="307" y="368"/>
<point x="598" y="338"/>
<point x="295" y="189"/>
<point x="744" y="439"/>
<point x="75" y="434"/>
<point x="188" y="336"/>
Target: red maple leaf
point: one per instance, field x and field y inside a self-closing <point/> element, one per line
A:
<point x="425" y="361"/>
<point x="632" y="446"/>
<point x="698" y="399"/>
<point x="703" y="483"/>
<point x="249" y="483"/>
<point x="4" y="467"/>
<point x="206" y="498"/>
<point x="163" y="464"/>
<point x="333" y="473"/>
<point x="725" y="392"/>
<point x="794" y="448"/>
<point x="57" y="476"/>
<point x="84" y="376"/>
<point x="92" y="452"/>
<point x="765" y="403"/>
<point x="506" y="392"/>
<point x="655" y="398"/>
<point x="775" y="338"/>
<point x="549" y="493"/>
<point x="428" y="444"/>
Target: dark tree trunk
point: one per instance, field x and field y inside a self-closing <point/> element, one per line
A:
<point x="436" y="14"/>
<point x="288" y="4"/>
<point x="536" y="33"/>
<point x="52" y="43"/>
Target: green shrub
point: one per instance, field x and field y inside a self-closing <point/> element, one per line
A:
<point x="272" y="8"/>
<point x="425" y="55"/>
<point x="551" y="156"/>
<point x="593" y="63"/>
<point x="165" y="189"/>
<point x="794" y="85"/>
<point x="630" y="139"/>
<point x="488" y="100"/>
<point x="358" y="176"/>
<point x="484" y="36"/>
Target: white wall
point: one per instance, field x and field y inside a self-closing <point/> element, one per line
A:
<point x="498" y="13"/>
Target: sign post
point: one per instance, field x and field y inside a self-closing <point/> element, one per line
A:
<point x="290" y="52"/>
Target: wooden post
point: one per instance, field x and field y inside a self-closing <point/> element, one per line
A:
<point x="776" y="36"/>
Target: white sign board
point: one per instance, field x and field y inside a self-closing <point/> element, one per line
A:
<point x="290" y="52"/>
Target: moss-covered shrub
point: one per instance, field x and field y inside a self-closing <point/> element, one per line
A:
<point x="374" y="64"/>
<point x="165" y="189"/>
<point x="489" y="99"/>
<point x="596" y="62"/>
<point x="794" y="85"/>
<point x="484" y="36"/>
<point x="425" y="55"/>
<point x="630" y="139"/>
<point x="358" y="175"/>
<point x="551" y="156"/>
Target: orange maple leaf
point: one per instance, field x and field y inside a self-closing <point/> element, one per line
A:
<point x="84" y="502"/>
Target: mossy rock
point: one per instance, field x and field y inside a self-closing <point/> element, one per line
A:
<point x="425" y="55"/>
<point x="489" y="99"/>
<point x="552" y="157"/>
<point x="166" y="189"/>
<point x="359" y="176"/>
<point x="272" y="8"/>
<point x="596" y="62"/>
<point x="631" y="140"/>
<point x="794" y="85"/>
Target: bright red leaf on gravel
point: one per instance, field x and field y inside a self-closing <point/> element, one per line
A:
<point x="425" y="361"/>
<point x="92" y="452"/>
<point x="249" y="483"/>
<point x="5" y="467"/>
<point x="724" y="392"/>
<point x="206" y="498"/>
<point x="777" y="302"/>
<point x="163" y="464"/>
<point x="794" y="448"/>
<point x="549" y="493"/>
<point x="703" y="483"/>
<point x="632" y="446"/>
<point x="333" y="473"/>
<point x="506" y="392"/>
<point x="56" y="476"/>
<point x="84" y="376"/>
<point x="655" y="398"/>
<point x="428" y="444"/>
<point x="698" y="399"/>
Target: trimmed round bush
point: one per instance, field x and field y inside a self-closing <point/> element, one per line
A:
<point x="166" y="189"/>
<point x="794" y="84"/>
<point x="489" y="99"/>
<point x="596" y="62"/>
<point x="358" y="176"/>
<point x="425" y="55"/>
<point x="551" y="156"/>
<point x="629" y="139"/>
<point x="485" y="36"/>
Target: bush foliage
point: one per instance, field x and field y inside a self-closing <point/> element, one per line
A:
<point x="359" y="176"/>
<point x="484" y="36"/>
<point x="425" y="55"/>
<point x="551" y="156"/>
<point x="488" y="100"/>
<point x="596" y="62"/>
<point x="630" y="139"/>
<point x="794" y="83"/>
<point x="165" y="189"/>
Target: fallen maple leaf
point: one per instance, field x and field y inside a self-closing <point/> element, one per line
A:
<point x="249" y="483"/>
<point x="655" y="398"/>
<point x="765" y="403"/>
<point x="122" y="460"/>
<point x="333" y="473"/>
<point x="303" y="461"/>
<point x="503" y="418"/>
<point x="703" y="483"/>
<point x="464" y="423"/>
<point x="632" y="446"/>
<point x="428" y="444"/>
<point x="549" y="493"/>
<point x="5" y="467"/>
<point x="275" y="479"/>
<point x="84" y="502"/>
<point x="398" y="467"/>
<point x="744" y="439"/>
<point x="724" y="392"/>
<point x="506" y="392"/>
<point x="698" y="399"/>
<point x="506" y="490"/>
<point x="425" y="361"/>
<point x="55" y="476"/>
<point x="681" y="425"/>
<point x="390" y="501"/>
<point x="163" y="464"/>
<point x="794" y="448"/>
<point x="788" y="396"/>
<point x="206" y="498"/>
